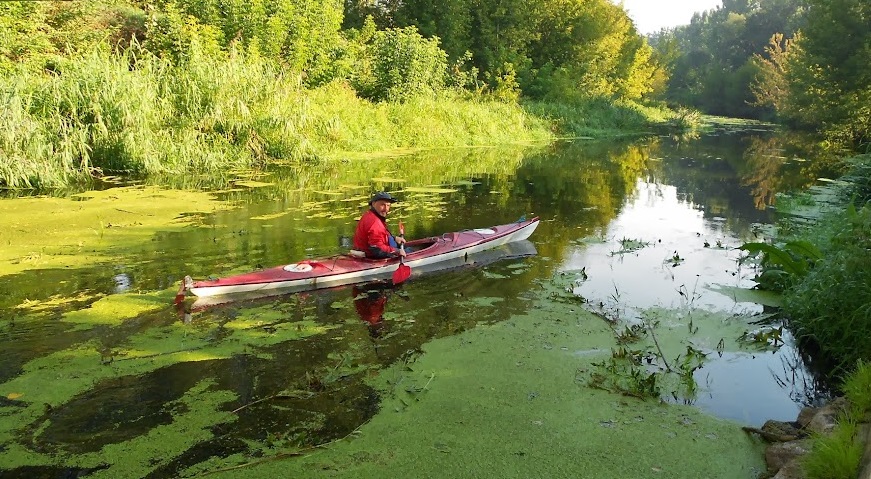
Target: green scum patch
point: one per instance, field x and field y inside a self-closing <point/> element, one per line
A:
<point x="113" y="310"/>
<point x="85" y="229"/>
<point x="52" y="381"/>
<point x="503" y="401"/>
<point x="142" y="455"/>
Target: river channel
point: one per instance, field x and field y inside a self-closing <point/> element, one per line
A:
<point x="95" y="359"/>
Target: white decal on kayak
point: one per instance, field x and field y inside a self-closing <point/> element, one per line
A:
<point x="484" y="231"/>
<point x="298" y="268"/>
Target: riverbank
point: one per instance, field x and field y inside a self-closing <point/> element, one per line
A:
<point x="97" y="116"/>
<point x="819" y="260"/>
<point x="826" y="271"/>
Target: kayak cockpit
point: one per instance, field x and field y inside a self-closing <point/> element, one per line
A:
<point x="416" y="246"/>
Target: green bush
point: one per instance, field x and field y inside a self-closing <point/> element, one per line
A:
<point x="178" y="37"/>
<point x="403" y="64"/>
<point x="782" y="265"/>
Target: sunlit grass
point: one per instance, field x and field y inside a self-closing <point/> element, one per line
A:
<point x="100" y="113"/>
<point x="97" y="115"/>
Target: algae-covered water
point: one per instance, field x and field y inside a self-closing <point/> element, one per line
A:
<point x="622" y="340"/>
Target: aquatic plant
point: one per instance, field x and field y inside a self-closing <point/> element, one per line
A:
<point x="767" y="337"/>
<point x="623" y="373"/>
<point x="685" y="119"/>
<point x="781" y="265"/>
<point x="644" y="371"/>
<point x="629" y="245"/>
<point x="675" y="260"/>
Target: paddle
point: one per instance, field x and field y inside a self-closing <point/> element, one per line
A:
<point x="403" y="271"/>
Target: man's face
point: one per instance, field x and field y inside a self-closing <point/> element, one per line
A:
<point x="382" y="207"/>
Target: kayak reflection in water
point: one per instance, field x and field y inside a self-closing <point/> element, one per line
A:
<point x="369" y="301"/>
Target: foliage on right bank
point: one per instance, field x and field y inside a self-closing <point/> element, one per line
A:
<point x="823" y="268"/>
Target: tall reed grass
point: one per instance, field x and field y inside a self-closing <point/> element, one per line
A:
<point x="135" y="114"/>
<point x="101" y="113"/>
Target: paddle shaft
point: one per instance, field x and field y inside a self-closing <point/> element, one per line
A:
<point x="401" y="246"/>
<point x="403" y="271"/>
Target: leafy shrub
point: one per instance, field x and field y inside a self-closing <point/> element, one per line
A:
<point x="505" y="86"/>
<point x="172" y="34"/>
<point x="403" y="64"/>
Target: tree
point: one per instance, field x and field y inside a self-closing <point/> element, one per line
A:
<point x="565" y="47"/>
<point x="300" y="33"/>
<point x="771" y="86"/>
<point x="829" y="74"/>
<point x="717" y="67"/>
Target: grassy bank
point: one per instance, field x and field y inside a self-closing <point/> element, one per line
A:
<point x="840" y="454"/>
<point x="103" y="113"/>
<point x="826" y="294"/>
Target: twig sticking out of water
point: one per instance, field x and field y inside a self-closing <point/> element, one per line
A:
<point x="661" y="354"/>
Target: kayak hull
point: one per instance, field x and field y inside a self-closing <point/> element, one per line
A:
<point x="346" y="269"/>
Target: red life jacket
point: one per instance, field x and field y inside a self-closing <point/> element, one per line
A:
<point x="372" y="236"/>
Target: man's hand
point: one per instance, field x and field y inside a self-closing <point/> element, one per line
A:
<point x="399" y="240"/>
<point x="402" y="252"/>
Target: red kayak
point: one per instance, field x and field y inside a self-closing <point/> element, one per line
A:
<point x="350" y="268"/>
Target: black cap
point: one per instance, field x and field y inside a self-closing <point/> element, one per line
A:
<point x="381" y="195"/>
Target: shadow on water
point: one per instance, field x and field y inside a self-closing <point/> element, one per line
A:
<point x="651" y="223"/>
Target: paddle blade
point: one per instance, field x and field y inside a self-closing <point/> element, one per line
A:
<point x="401" y="274"/>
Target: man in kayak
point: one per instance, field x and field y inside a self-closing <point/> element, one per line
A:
<point x="372" y="236"/>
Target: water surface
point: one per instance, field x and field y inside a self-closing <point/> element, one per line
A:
<point x="631" y="226"/>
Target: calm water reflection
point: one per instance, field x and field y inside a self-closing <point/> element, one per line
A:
<point x="650" y="223"/>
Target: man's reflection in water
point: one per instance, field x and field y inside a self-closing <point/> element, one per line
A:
<point x="369" y="301"/>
